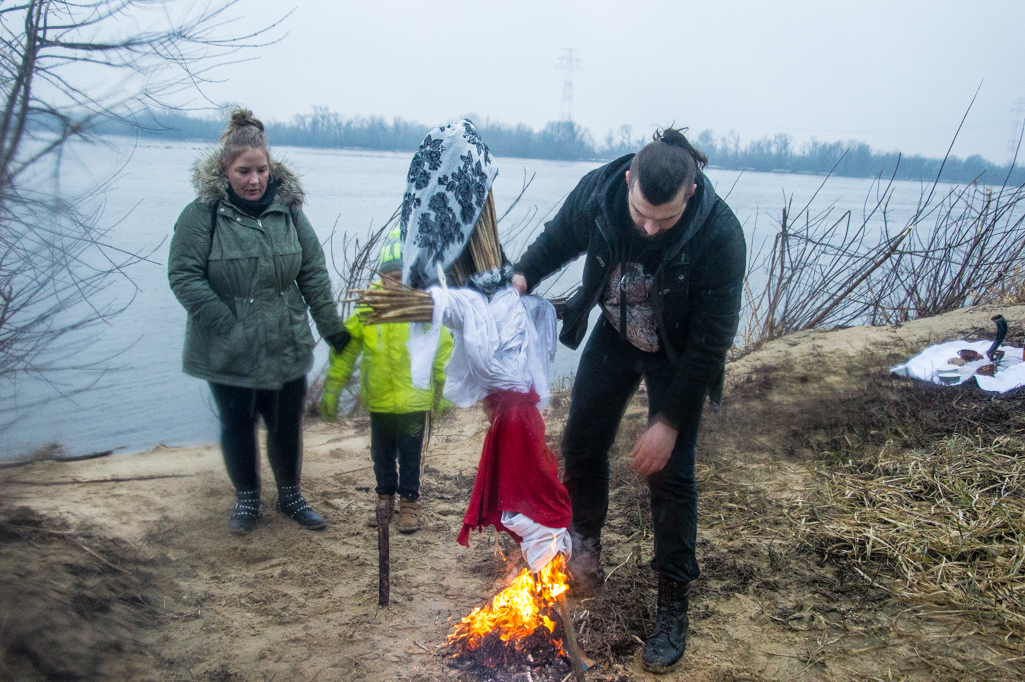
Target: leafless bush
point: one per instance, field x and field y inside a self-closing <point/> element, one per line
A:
<point x="353" y="260"/>
<point x="822" y="270"/>
<point x="969" y="256"/>
<point x="816" y="261"/>
<point x="65" y="68"/>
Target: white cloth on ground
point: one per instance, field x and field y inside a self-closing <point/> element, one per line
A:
<point x="925" y="366"/>
<point x="502" y="344"/>
<point x="539" y="544"/>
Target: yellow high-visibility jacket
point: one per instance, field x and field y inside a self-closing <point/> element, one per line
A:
<point x="386" y="384"/>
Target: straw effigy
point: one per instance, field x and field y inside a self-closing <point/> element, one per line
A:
<point x="404" y="304"/>
<point x="949" y="523"/>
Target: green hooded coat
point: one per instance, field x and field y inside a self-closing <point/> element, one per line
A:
<point x="247" y="283"/>
<point x="386" y="383"/>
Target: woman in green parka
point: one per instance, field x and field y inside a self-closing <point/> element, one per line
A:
<point x="247" y="266"/>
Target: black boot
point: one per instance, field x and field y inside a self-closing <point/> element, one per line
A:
<point x="291" y="503"/>
<point x="669" y="636"/>
<point x="247" y="511"/>
<point x="586" y="575"/>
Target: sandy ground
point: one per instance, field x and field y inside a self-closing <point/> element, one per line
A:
<point x="122" y="567"/>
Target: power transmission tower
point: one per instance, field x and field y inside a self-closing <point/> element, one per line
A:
<point x="568" y="63"/>
<point x="1019" y="126"/>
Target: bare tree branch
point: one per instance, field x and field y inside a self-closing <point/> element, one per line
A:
<point x="64" y="68"/>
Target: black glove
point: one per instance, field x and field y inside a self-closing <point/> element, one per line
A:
<point x="339" y="341"/>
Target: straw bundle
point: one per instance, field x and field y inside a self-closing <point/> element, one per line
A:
<point x="483" y="252"/>
<point x="950" y="522"/>
<point x="400" y="304"/>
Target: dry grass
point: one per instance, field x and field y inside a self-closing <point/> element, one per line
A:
<point x="901" y="522"/>
<point x="949" y="521"/>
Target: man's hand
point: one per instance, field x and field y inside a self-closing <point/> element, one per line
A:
<point x="653" y="448"/>
<point x="519" y="283"/>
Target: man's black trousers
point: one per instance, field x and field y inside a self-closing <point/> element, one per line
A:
<point x="610" y="371"/>
<point x="282" y="411"/>
<point x="397" y="436"/>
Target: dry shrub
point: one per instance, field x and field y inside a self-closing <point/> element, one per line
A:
<point x="949" y="521"/>
<point x="1008" y="290"/>
<point x="822" y="268"/>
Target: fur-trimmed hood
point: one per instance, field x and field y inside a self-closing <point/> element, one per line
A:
<point x="212" y="184"/>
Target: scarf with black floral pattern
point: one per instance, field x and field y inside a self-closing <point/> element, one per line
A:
<point x="448" y="182"/>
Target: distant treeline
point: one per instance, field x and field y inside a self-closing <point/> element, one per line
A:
<point x="568" y="141"/>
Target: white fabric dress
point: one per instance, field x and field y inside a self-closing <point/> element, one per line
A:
<point x="502" y="344"/>
<point x="506" y="343"/>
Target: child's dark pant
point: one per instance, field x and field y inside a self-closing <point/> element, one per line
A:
<point x="401" y="437"/>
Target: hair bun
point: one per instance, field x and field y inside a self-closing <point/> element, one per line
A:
<point x="672" y="136"/>
<point x="242" y="118"/>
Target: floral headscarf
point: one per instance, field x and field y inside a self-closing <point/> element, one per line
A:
<point x="449" y="180"/>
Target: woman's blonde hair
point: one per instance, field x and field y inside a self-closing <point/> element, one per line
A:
<point x="244" y="132"/>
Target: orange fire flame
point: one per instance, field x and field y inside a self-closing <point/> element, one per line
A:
<point x="517" y="611"/>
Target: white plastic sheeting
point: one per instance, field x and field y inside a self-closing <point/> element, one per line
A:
<point x="539" y="544"/>
<point x="926" y="366"/>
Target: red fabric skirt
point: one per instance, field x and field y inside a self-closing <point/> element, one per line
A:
<point x="517" y="471"/>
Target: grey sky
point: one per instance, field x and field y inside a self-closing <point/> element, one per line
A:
<point x="895" y="74"/>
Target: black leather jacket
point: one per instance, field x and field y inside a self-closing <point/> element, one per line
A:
<point x="697" y="289"/>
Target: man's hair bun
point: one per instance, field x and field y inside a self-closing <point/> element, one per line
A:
<point x="666" y="164"/>
<point x="671" y="136"/>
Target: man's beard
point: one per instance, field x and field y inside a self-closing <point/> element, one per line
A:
<point x="650" y="238"/>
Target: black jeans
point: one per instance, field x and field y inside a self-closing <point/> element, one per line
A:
<point x="282" y="412"/>
<point x="610" y="371"/>
<point x="398" y="436"/>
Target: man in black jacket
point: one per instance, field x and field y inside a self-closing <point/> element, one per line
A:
<point x="665" y="261"/>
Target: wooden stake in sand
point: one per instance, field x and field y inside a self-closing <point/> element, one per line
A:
<point x="384" y="556"/>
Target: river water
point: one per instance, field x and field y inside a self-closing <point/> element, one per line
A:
<point x="142" y="398"/>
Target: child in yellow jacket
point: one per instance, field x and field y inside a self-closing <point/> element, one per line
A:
<point x="399" y="412"/>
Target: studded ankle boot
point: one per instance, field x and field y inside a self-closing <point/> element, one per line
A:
<point x="247" y="511"/>
<point x="668" y="638"/>
<point x="291" y="503"/>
